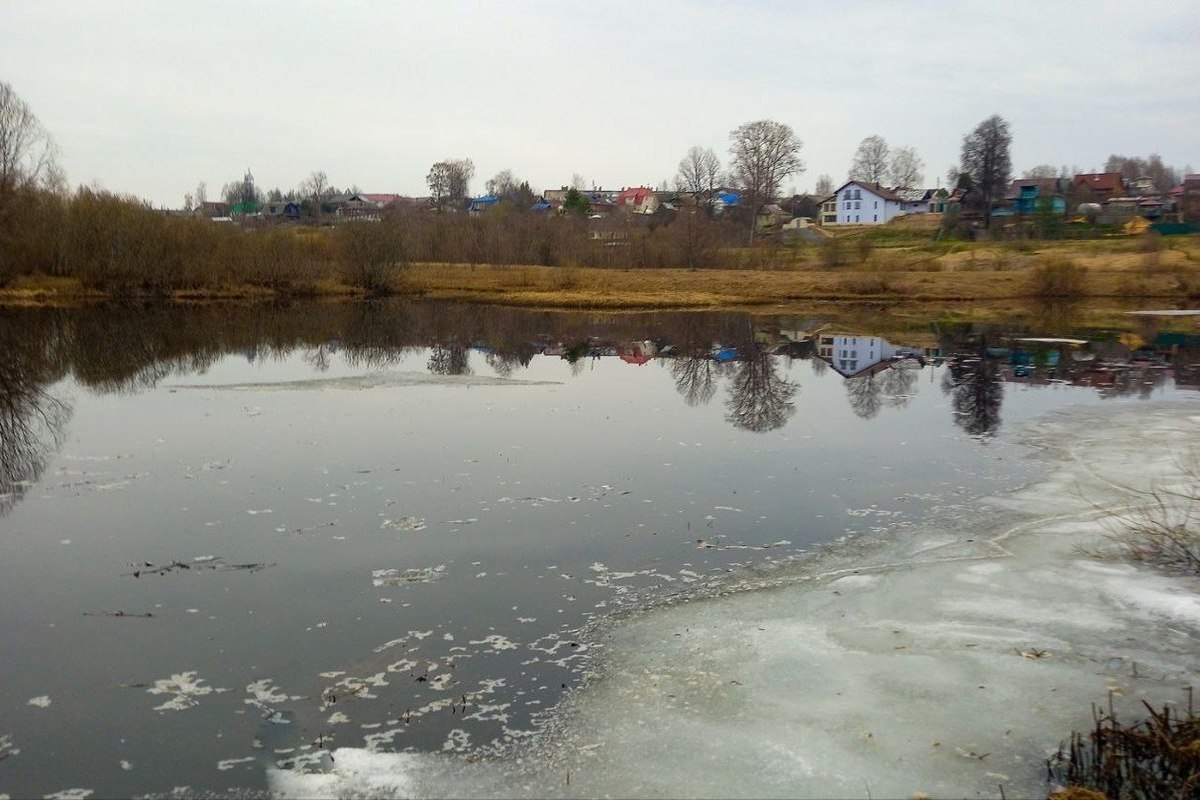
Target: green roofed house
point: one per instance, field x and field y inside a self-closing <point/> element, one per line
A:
<point x="245" y="209"/>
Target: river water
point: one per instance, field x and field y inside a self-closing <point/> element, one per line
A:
<point x="235" y="538"/>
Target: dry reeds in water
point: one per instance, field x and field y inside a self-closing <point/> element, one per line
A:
<point x="1155" y="759"/>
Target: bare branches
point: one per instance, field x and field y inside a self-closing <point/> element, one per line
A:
<point x="764" y="153"/>
<point x="28" y="155"/>
<point x="699" y="173"/>
<point x="870" y="160"/>
<point x="906" y="168"/>
<point x="449" y="181"/>
<point x="987" y="161"/>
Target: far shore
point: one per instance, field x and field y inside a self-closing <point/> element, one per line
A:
<point x="1113" y="272"/>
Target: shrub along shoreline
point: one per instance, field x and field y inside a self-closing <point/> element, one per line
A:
<point x="96" y="245"/>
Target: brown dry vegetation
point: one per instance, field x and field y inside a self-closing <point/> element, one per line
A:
<point x="98" y="245"/>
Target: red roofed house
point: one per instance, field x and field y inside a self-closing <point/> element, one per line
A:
<point x="1096" y="187"/>
<point x="638" y="200"/>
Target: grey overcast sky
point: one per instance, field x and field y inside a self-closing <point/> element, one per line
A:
<point x="150" y="98"/>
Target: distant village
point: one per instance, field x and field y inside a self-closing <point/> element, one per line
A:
<point x="1095" y="199"/>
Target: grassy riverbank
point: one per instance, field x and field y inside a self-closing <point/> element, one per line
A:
<point x="894" y="267"/>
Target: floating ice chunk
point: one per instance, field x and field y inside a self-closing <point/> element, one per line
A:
<point x="496" y="643"/>
<point x="71" y="794"/>
<point x="183" y="688"/>
<point x="265" y="692"/>
<point x="404" y="524"/>
<point x="230" y="763"/>
<point x="41" y="701"/>
<point x="126" y="765"/>
<point x="403" y="577"/>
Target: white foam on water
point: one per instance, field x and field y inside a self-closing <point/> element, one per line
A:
<point x="949" y="660"/>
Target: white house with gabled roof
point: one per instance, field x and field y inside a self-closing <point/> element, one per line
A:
<point x="863" y="203"/>
<point x="852" y="354"/>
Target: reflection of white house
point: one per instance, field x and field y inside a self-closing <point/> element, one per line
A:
<point x="853" y="355"/>
<point x="862" y="203"/>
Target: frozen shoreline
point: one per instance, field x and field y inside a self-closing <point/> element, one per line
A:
<point x="938" y="662"/>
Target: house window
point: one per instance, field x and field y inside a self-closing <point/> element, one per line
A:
<point x="877" y="218"/>
<point x="877" y="204"/>
<point x="857" y="203"/>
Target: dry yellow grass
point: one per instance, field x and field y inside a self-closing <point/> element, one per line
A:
<point x="986" y="272"/>
<point x="962" y="273"/>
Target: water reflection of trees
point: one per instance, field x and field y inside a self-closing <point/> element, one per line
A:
<point x="453" y="359"/>
<point x="976" y="389"/>
<point x="869" y="394"/>
<point x="759" y="398"/>
<point x="32" y="420"/>
<point x="696" y="377"/>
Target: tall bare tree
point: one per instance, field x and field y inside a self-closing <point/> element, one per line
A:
<point x="764" y="153"/>
<point x="502" y="183"/>
<point x="28" y="156"/>
<point x="870" y="160"/>
<point x="824" y="186"/>
<point x="987" y="161"/>
<point x="699" y="174"/>
<point x="449" y="181"/>
<point x="316" y="187"/>
<point x="906" y="168"/>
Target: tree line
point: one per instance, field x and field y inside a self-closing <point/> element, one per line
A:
<point x="119" y="244"/>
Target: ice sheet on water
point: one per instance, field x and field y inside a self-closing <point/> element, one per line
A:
<point x="964" y="650"/>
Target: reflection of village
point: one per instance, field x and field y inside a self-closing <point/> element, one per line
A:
<point x="745" y="359"/>
<point x="975" y="363"/>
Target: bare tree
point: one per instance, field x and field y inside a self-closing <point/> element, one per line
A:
<point x="986" y="159"/>
<point x="450" y="180"/>
<point x="201" y="194"/>
<point x="316" y="187"/>
<point x="699" y="174"/>
<point x="824" y="186"/>
<point x="28" y="156"/>
<point x="870" y="160"/>
<point x="244" y="191"/>
<point x="1041" y="171"/>
<point x="1162" y="176"/>
<point x="906" y="168"/>
<point x="764" y="153"/>
<point x="504" y="182"/>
